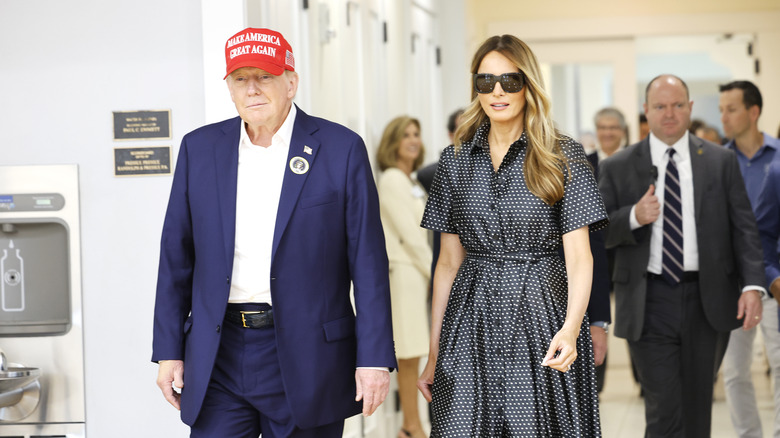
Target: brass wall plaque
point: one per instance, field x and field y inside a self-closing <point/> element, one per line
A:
<point x="134" y="161"/>
<point x="142" y="125"/>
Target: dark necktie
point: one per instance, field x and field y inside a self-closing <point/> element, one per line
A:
<point x="672" y="260"/>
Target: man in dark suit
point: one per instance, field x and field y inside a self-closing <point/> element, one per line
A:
<point x="272" y="216"/>
<point x="425" y="176"/>
<point x="768" y="219"/>
<point x="599" y="312"/>
<point x="687" y="263"/>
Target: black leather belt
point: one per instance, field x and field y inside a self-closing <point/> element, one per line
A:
<point x="250" y="318"/>
<point x="688" y="276"/>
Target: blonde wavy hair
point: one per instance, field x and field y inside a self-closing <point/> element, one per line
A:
<point x="545" y="162"/>
<point x="387" y="153"/>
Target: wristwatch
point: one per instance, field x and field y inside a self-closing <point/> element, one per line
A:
<point x="602" y="324"/>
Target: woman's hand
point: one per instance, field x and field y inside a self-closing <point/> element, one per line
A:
<point x="565" y="345"/>
<point x="425" y="382"/>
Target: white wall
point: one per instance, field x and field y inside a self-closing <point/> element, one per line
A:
<point x="220" y="20"/>
<point x="455" y="62"/>
<point x="64" y="67"/>
<point x="763" y="25"/>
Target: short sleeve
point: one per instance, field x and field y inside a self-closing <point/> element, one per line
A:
<point x="438" y="214"/>
<point x="581" y="204"/>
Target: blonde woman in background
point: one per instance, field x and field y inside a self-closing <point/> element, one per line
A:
<point x="511" y="352"/>
<point x="402" y="202"/>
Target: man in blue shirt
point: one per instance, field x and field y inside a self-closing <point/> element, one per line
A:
<point x="740" y="107"/>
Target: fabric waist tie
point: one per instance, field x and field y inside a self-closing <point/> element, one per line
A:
<point x="517" y="255"/>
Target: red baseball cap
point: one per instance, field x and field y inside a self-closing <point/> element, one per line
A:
<point x="262" y="48"/>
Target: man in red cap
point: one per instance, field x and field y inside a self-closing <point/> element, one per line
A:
<point x="272" y="216"/>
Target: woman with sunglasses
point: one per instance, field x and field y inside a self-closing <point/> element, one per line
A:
<point x="401" y="204"/>
<point x="510" y="348"/>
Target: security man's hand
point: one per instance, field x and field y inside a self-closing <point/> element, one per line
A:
<point x="647" y="208"/>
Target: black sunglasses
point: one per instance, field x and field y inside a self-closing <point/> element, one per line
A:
<point x="510" y="82"/>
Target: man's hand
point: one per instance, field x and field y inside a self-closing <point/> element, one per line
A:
<point x="647" y="208"/>
<point x="171" y="373"/>
<point x="372" y="388"/>
<point x="749" y="307"/>
<point x="599" y="336"/>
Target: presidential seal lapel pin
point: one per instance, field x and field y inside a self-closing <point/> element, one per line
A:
<point x="299" y="165"/>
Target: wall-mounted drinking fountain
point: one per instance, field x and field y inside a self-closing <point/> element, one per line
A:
<point x="40" y="303"/>
<point x="20" y="391"/>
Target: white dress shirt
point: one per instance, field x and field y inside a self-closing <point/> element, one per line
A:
<point x="603" y="155"/>
<point x="660" y="158"/>
<point x="260" y="175"/>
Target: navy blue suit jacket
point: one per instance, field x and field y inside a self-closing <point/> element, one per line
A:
<point x="328" y="235"/>
<point x="768" y="219"/>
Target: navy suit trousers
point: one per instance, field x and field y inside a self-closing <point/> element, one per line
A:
<point x="245" y="396"/>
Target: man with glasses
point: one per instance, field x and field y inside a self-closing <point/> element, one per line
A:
<point x="611" y="131"/>
<point x="610" y="134"/>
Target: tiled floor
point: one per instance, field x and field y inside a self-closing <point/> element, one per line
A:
<point x="623" y="412"/>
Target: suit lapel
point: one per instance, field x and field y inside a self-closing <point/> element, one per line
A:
<point x="643" y="164"/>
<point x="699" y="172"/>
<point x="302" y="145"/>
<point x="226" y="164"/>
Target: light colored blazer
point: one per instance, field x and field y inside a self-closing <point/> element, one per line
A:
<point x="401" y="206"/>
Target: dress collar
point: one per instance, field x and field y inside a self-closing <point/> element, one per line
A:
<point x="480" y="139"/>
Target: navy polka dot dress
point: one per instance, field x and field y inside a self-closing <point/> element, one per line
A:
<point x="509" y="298"/>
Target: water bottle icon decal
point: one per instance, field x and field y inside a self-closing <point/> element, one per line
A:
<point x="12" y="283"/>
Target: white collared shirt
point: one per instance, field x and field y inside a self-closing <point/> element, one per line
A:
<point x="603" y="155"/>
<point x="260" y="175"/>
<point x="660" y="158"/>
